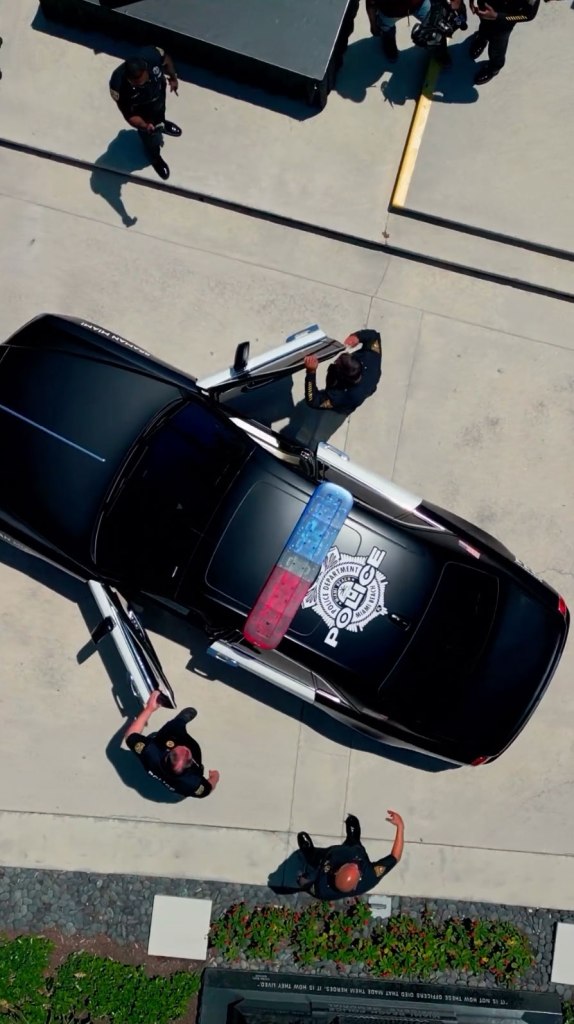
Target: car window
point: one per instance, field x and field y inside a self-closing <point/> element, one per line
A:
<point x="167" y="495"/>
<point x="432" y="677"/>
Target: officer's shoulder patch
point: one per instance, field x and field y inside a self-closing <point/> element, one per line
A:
<point x="170" y="744"/>
<point x="376" y="346"/>
<point x="200" y="790"/>
<point x="327" y="404"/>
<point x="138" y="747"/>
<point x="115" y="95"/>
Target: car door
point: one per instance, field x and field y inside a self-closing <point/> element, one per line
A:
<point x="132" y="643"/>
<point x="249" y="372"/>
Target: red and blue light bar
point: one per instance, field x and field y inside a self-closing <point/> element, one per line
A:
<point x="298" y="566"/>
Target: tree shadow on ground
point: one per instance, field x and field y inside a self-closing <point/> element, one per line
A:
<point x="99" y="42"/>
<point x="126" y="154"/>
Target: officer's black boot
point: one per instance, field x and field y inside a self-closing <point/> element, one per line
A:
<point x="477" y="45"/>
<point x="160" y="167"/>
<point x="171" y="129"/>
<point x="353" y="829"/>
<point x="304" y="841"/>
<point x="485" y="74"/>
<point x="389" y="44"/>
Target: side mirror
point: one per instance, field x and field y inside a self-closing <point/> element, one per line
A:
<point x="241" y="356"/>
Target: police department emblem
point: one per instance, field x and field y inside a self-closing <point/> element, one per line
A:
<point x="348" y="593"/>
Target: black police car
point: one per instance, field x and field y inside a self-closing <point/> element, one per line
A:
<point x="328" y="581"/>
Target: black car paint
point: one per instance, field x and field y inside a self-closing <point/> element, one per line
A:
<point x="124" y="390"/>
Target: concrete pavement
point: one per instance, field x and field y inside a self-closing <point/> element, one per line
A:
<point x="474" y="411"/>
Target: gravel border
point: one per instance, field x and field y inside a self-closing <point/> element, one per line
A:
<point x="120" y="906"/>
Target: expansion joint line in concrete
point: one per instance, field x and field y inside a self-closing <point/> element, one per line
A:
<point x="406" y="170"/>
<point x="345" y="238"/>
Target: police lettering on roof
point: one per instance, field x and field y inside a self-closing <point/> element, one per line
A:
<point x="349" y="592"/>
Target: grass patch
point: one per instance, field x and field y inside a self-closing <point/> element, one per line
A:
<point x="85" y="988"/>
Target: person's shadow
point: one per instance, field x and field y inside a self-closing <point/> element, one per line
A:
<point x="363" y="65"/>
<point x="283" y="879"/>
<point x="453" y="85"/>
<point x="309" y="426"/>
<point x="124" y="155"/>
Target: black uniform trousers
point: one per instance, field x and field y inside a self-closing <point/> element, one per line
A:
<point x="314" y="856"/>
<point x="496" y="34"/>
<point x="153" y="141"/>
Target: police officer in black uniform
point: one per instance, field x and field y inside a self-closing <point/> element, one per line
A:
<point x="497" y="19"/>
<point x="345" y="870"/>
<point x="350" y="379"/>
<point x="139" y="88"/>
<point x="171" y="755"/>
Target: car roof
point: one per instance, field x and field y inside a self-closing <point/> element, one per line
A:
<point x="68" y="416"/>
<point x="373" y="588"/>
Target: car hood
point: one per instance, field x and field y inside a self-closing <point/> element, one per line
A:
<point x="68" y="417"/>
<point x="372" y="590"/>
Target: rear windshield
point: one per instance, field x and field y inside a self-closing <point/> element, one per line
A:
<point x="432" y="679"/>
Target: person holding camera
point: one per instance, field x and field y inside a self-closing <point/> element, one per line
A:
<point x="497" y="19"/>
<point x="383" y="16"/>
<point x="171" y="755"/>
<point x="444" y="18"/>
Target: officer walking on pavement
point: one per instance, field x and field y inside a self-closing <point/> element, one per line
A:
<point x="139" y="88"/>
<point x="345" y="870"/>
<point x="497" y="19"/>
<point x="350" y="379"/>
<point x="170" y="755"/>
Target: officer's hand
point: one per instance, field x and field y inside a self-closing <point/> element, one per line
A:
<point x="153" y="702"/>
<point x="150" y="128"/>
<point x="213" y="778"/>
<point x="352" y="341"/>
<point x="489" y="14"/>
<point x="394" y="818"/>
<point x="173" y="84"/>
<point x="311" y="363"/>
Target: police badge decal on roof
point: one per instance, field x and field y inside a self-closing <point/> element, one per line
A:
<point x="349" y="593"/>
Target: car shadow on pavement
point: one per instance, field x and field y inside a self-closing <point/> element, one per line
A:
<point x="99" y="42"/>
<point x="257" y="689"/>
<point x="125" y="154"/>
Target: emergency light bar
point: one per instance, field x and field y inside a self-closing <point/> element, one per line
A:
<point x="298" y="566"/>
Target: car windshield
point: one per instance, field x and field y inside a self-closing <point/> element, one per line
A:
<point x="430" y="686"/>
<point x="166" y="494"/>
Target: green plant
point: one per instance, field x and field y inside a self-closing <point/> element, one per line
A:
<point x="403" y="946"/>
<point x="258" y="933"/>
<point x="93" y="988"/>
<point x="23" y="967"/>
<point x="568" y="1013"/>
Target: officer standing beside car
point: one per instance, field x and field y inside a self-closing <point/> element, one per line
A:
<point x="139" y="88"/>
<point x="171" y="755"/>
<point x="351" y="378"/>
<point x="497" y="19"/>
<point x="346" y="870"/>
